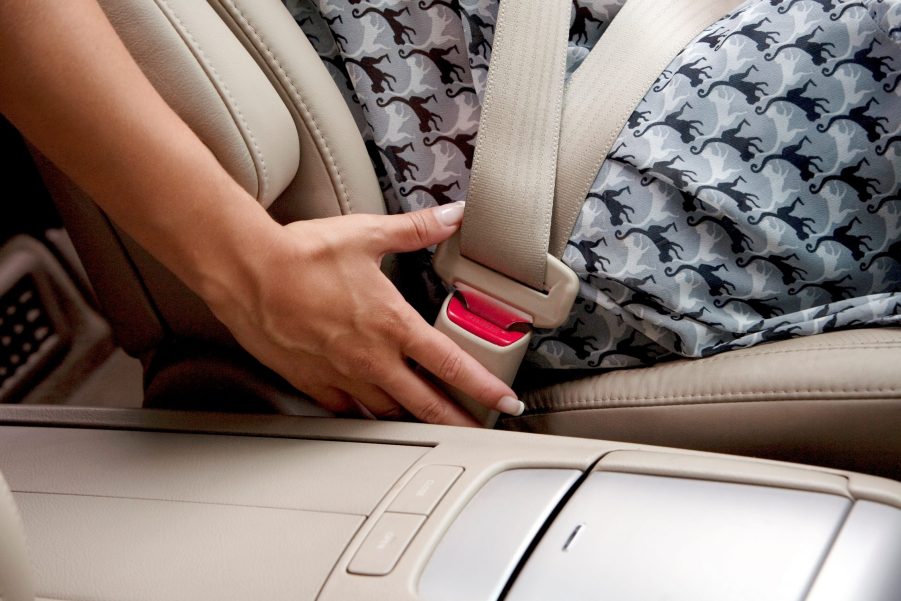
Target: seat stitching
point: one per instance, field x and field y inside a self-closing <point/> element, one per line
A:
<point x="539" y="411"/>
<point x="818" y="348"/>
<point x="581" y="403"/>
<point x="542" y="403"/>
<point x="309" y="118"/>
<point x="204" y="59"/>
<point x="745" y="353"/>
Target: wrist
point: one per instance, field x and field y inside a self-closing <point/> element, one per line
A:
<point x="226" y="260"/>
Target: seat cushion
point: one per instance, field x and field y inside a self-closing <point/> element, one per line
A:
<point x="833" y="399"/>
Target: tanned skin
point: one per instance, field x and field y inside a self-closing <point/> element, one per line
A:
<point x="307" y="299"/>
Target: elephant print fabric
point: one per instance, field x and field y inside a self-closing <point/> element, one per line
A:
<point x="752" y="196"/>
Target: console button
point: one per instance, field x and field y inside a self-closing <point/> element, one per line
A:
<point x="422" y="493"/>
<point x="385" y="544"/>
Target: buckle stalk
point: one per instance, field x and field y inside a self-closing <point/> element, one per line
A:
<point x="491" y="316"/>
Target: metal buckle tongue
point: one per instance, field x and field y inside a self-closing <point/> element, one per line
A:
<point x="491" y="316"/>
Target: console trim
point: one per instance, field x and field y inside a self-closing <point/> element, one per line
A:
<point x="483" y="546"/>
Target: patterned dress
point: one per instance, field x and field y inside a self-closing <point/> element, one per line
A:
<point x="752" y="196"/>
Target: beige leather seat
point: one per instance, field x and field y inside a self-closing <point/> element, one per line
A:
<point x="254" y="90"/>
<point x="832" y="399"/>
<point x="244" y="77"/>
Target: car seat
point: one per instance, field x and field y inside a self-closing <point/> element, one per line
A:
<point x="244" y="77"/>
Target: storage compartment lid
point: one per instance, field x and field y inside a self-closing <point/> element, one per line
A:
<point x="865" y="559"/>
<point x="487" y="540"/>
<point x="627" y="536"/>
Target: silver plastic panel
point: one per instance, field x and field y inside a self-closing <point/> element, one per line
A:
<point x="475" y="558"/>
<point x="865" y="562"/>
<point x="634" y="537"/>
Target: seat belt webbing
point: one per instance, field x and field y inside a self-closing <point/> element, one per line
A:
<point x="510" y="201"/>
<point x="527" y="120"/>
<point x="539" y="149"/>
<point x="640" y="42"/>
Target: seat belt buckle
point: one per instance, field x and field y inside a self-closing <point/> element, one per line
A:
<point x="493" y="333"/>
<point x="491" y="316"/>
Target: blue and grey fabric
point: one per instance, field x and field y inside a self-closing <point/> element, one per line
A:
<point x="752" y="196"/>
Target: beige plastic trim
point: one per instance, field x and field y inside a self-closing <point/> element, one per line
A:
<point x="643" y="38"/>
<point x="125" y="549"/>
<point x="305" y="475"/>
<point x="722" y="469"/>
<point x="876" y="489"/>
<point x="548" y="309"/>
<point x="15" y="567"/>
<point x="467" y="447"/>
<point x="483" y="453"/>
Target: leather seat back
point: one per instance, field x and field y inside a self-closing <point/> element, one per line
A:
<point x="250" y="85"/>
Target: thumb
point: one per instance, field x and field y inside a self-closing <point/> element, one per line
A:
<point x="421" y="229"/>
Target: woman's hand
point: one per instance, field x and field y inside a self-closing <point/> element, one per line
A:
<point x="318" y="310"/>
<point x="308" y="299"/>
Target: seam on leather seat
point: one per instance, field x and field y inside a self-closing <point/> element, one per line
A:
<point x="729" y="356"/>
<point x="603" y="401"/>
<point x="224" y="91"/>
<point x="538" y="412"/>
<point x="307" y="115"/>
<point x="823" y="394"/>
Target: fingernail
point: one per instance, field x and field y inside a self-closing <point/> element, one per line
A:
<point x="451" y="214"/>
<point x="511" y="406"/>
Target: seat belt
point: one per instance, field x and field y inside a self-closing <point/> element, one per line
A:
<point x="511" y="186"/>
<point x="15" y="568"/>
<point x="502" y="279"/>
<point x="640" y="42"/>
<point x="539" y="148"/>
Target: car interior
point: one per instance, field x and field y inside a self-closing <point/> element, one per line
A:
<point x="149" y="457"/>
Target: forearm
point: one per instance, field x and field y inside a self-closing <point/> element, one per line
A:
<point x="104" y="125"/>
<point x="307" y="299"/>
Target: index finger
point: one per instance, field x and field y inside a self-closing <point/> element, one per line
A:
<point x="438" y="354"/>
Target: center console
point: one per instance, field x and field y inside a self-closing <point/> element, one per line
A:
<point x="126" y="505"/>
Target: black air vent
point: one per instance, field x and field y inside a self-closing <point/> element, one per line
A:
<point x="28" y="337"/>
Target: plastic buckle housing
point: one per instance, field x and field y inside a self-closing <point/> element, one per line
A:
<point x="491" y="316"/>
<point x="548" y="309"/>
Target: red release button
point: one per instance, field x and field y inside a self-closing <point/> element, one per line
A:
<point x="487" y="330"/>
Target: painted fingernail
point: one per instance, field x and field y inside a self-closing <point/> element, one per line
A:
<point x="451" y="214"/>
<point x="511" y="406"/>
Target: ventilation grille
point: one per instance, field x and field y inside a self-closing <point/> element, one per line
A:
<point x="28" y="338"/>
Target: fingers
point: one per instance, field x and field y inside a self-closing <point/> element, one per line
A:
<point x="334" y="400"/>
<point x="439" y="355"/>
<point x="424" y="401"/>
<point x="420" y="229"/>
<point x="375" y="400"/>
<point x="363" y="331"/>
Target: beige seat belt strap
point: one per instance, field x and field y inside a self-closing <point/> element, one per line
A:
<point x="643" y="38"/>
<point x="525" y="193"/>
<point x="15" y="569"/>
<point x="511" y="190"/>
